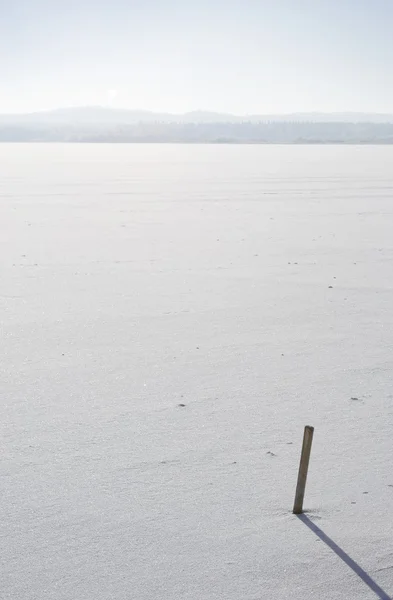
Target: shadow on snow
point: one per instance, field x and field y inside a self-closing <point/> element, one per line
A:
<point x="344" y="557"/>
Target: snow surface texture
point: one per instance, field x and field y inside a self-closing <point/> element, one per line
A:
<point x="251" y="284"/>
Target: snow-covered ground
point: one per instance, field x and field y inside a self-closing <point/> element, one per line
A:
<point x="254" y="286"/>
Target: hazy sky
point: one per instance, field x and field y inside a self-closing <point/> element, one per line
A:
<point x="240" y="56"/>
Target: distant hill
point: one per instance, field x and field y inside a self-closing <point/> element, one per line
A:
<point x="334" y="117"/>
<point x="99" y="115"/>
<point x="101" y="124"/>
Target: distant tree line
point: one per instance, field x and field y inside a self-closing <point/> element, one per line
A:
<point x="236" y="133"/>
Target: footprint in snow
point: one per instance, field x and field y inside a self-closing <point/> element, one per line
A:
<point x="271" y="453"/>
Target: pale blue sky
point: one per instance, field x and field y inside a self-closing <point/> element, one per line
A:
<point x="240" y="56"/>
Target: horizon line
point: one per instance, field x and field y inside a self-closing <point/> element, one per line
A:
<point x="194" y="111"/>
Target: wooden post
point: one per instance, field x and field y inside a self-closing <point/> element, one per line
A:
<point x="303" y="468"/>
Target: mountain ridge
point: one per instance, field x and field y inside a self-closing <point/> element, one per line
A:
<point x="103" y="115"/>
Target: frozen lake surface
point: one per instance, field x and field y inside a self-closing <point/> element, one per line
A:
<point x="252" y="284"/>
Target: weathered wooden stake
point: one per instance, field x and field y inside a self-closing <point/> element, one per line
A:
<point x="303" y="468"/>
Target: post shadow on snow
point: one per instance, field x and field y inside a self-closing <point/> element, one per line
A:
<point x="344" y="556"/>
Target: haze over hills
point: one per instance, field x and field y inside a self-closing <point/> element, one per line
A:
<point x="105" y="124"/>
<point x="101" y="115"/>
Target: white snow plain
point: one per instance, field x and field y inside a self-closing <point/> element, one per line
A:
<point x="254" y="285"/>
